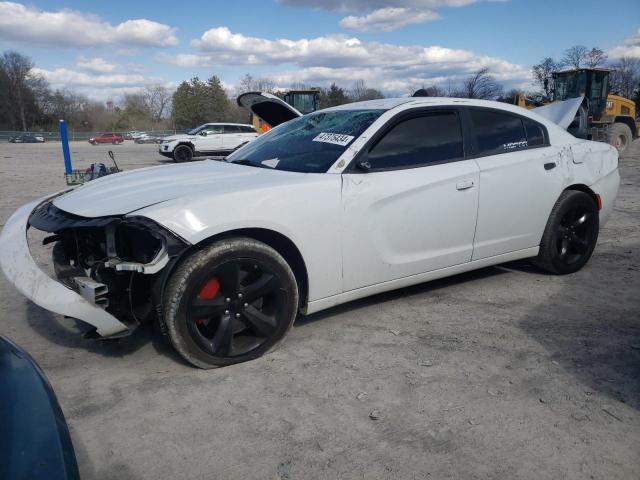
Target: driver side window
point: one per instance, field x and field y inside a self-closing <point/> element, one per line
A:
<point x="433" y="137"/>
<point x="213" y="130"/>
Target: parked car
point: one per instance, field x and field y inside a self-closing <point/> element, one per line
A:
<point x="149" y="138"/>
<point x="114" y="138"/>
<point x="132" y="135"/>
<point x="27" y="138"/>
<point x="210" y="139"/>
<point x="323" y="209"/>
<point x="33" y="431"/>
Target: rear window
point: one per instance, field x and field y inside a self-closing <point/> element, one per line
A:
<point x="311" y="143"/>
<point x="498" y="132"/>
<point x="535" y="132"/>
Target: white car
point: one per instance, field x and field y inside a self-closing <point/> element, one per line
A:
<point x="321" y="210"/>
<point x="217" y="139"/>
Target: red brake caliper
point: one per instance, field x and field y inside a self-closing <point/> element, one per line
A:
<point x="209" y="291"/>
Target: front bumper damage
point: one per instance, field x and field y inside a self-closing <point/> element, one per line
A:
<point x="78" y="292"/>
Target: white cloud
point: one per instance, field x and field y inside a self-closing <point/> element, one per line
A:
<point x="630" y="47"/>
<point x="384" y="15"/>
<point x="70" y="28"/>
<point x="324" y="59"/>
<point x="97" y="64"/>
<point x="67" y="78"/>
<point x="388" y="19"/>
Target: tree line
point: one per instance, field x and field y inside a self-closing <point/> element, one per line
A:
<point x="27" y="102"/>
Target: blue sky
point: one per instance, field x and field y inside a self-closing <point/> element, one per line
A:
<point x="95" y="48"/>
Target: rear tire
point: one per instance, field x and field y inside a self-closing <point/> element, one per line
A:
<point x="570" y="235"/>
<point x="182" y="153"/>
<point x="620" y="136"/>
<point x="230" y="302"/>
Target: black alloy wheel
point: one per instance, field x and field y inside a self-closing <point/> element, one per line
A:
<point x="183" y="153"/>
<point x="230" y="302"/>
<point x="234" y="310"/>
<point x="571" y="233"/>
<point x="576" y="232"/>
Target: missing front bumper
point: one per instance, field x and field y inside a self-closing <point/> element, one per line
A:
<point x="21" y="270"/>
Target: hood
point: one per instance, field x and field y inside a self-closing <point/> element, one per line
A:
<point x="178" y="136"/>
<point x="561" y="113"/>
<point x="269" y="108"/>
<point x="125" y="192"/>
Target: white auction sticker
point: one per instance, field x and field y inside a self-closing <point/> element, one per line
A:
<point x="273" y="162"/>
<point x="335" y="138"/>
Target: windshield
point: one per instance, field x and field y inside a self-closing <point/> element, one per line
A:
<point x="310" y="144"/>
<point x="570" y="85"/>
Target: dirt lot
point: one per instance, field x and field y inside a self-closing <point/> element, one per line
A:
<point x="500" y="373"/>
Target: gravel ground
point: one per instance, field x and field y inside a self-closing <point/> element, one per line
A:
<point x="500" y="373"/>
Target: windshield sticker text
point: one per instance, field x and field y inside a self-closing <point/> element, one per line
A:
<point x="335" y="138"/>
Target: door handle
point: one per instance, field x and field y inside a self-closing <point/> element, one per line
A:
<point x="464" y="185"/>
<point x="550" y="166"/>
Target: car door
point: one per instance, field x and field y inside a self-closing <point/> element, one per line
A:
<point x="232" y="137"/>
<point x="210" y="139"/>
<point x="412" y="206"/>
<point x="520" y="180"/>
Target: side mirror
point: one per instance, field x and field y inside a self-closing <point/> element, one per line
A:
<point x="203" y="133"/>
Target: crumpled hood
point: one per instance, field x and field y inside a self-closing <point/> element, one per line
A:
<point x="125" y="192"/>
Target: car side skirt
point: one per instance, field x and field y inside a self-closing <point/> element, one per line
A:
<point x="328" y="302"/>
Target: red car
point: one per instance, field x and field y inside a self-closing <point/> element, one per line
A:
<point x="106" y="138"/>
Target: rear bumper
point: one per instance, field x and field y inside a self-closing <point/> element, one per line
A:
<point x="21" y="270"/>
<point x="607" y="188"/>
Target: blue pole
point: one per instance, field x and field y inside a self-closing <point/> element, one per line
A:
<point x="65" y="147"/>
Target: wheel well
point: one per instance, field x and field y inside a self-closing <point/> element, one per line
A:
<point x="281" y="244"/>
<point x="583" y="188"/>
<point x="186" y="144"/>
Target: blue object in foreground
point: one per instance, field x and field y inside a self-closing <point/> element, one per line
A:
<point x="34" y="438"/>
<point x="65" y="146"/>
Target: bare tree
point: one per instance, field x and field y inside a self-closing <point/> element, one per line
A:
<point x="595" y="57"/>
<point x="360" y="92"/>
<point x="249" y="83"/>
<point x="575" y="56"/>
<point x="481" y="85"/>
<point x="626" y="76"/>
<point x="16" y="70"/>
<point x="542" y="74"/>
<point x="158" y="101"/>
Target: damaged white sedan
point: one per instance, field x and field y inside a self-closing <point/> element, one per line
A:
<point x="323" y="209"/>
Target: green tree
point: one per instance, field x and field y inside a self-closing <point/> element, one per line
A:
<point x="196" y="102"/>
<point x="333" y="96"/>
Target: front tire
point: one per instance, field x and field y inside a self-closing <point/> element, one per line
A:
<point x="230" y="302"/>
<point x="182" y="153"/>
<point x="620" y="136"/>
<point x="570" y="235"/>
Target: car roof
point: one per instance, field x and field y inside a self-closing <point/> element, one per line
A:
<point x="228" y="123"/>
<point x="390" y="103"/>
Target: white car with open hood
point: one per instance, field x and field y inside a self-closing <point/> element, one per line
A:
<point x="323" y="209"/>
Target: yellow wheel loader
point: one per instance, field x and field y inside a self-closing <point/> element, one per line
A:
<point x="603" y="116"/>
